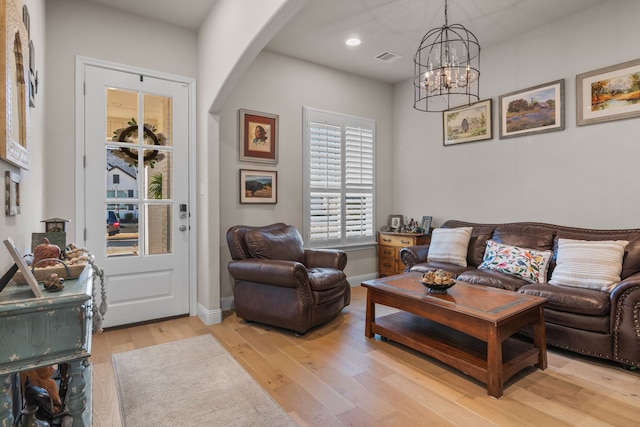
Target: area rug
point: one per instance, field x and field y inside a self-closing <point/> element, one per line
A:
<point x="191" y="382"/>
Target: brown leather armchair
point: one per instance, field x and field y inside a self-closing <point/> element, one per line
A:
<point x="280" y="283"/>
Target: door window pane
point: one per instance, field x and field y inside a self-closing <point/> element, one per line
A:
<point x="159" y="178"/>
<point x="159" y="228"/>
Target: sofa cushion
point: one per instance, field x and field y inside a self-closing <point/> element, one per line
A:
<point x="492" y="278"/>
<point x="284" y="243"/>
<point x="572" y="300"/>
<point x="528" y="264"/>
<point x="322" y="279"/>
<point x="525" y="236"/>
<point x="449" y="245"/>
<point x="588" y="264"/>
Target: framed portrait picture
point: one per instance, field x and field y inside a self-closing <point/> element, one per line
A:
<point x="14" y="70"/>
<point x="533" y="110"/>
<point x="468" y="124"/>
<point x="24" y="268"/>
<point x="258" y="186"/>
<point x="258" y="137"/>
<point x="425" y="224"/>
<point x="395" y="222"/>
<point x="610" y="93"/>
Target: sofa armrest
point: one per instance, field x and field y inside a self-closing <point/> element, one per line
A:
<point x="286" y="274"/>
<point x="412" y="255"/>
<point x="625" y="309"/>
<point x="327" y="258"/>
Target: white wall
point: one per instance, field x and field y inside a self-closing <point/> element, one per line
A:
<point x="584" y="176"/>
<point x="282" y="85"/>
<point x="233" y="33"/>
<point x="20" y="227"/>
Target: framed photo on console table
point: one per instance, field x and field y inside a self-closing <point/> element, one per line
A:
<point x="24" y="268"/>
<point x="610" y="93"/>
<point x="468" y="124"/>
<point x="534" y="110"/>
<point x="258" y="137"/>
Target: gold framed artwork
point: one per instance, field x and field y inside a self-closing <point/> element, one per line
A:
<point x="258" y="137"/>
<point x="610" y="93"/>
<point x="257" y="186"/>
<point x="468" y="124"/>
<point x="533" y="110"/>
<point x="14" y="101"/>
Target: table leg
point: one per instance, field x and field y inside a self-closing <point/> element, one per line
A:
<point x="6" y="406"/>
<point x="77" y="400"/>
<point x="370" y="315"/>
<point x="494" y="365"/>
<point x="540" y="340"/>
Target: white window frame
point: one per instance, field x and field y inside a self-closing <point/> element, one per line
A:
<point x="368" y="190"/>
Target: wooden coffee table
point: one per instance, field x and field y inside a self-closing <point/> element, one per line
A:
<point x="469" y="328"/>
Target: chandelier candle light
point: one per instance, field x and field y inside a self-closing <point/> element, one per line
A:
<point x="447" y="68"/>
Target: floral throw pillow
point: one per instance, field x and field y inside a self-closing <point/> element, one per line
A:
<point x="528" y="264"/>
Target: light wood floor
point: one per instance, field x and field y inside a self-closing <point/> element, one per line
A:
<point x="334" y="376"/>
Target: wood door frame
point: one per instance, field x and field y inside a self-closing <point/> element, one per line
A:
<point x="80" y="214"/>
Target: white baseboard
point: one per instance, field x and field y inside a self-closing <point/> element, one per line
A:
<point x="356" y="280"/>
<point x="226" y="303"/>
<point x="210" y="317"/>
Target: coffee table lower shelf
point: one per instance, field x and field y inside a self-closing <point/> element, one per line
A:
<point x="454" y="348"/>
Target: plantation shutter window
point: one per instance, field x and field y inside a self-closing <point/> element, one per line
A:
<point x="339" y="179"/>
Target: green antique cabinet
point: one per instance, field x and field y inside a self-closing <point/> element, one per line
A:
<point x="52" y="329"/>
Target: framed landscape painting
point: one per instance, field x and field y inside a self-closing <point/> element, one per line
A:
<point x="258" y="186"/>
<point x="468" y="124"/>
<point x="610" y="93"/>
<point x="533" y="110"/>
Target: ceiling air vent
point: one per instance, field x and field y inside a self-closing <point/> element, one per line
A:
<point x="388" y="57"/>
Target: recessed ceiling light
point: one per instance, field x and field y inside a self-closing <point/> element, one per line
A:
<point x="353" y="42"/>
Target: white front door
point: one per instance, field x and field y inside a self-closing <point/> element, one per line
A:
<point x="136" y="201"/>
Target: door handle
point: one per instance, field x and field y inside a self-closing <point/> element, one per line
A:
<point x="183" y="228"/>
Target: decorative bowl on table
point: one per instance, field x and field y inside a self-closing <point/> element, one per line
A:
<point x="438" y="281"/>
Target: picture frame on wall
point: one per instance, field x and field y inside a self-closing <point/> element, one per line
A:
<point x="258" y="137"/>
<point x="14" y="70"/>
<point x="12" y="193"/>
<point x="533" y="110"/>
<point x="258" y="186"/>
<point x="609" y="93"/>
<point x="468" y="124"/>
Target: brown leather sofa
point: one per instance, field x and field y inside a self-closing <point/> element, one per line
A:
<point x="592" y="322"/>
<point x="278" y="282"/>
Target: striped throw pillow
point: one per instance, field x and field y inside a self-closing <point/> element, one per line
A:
<point x="589" y="264"/>
<point x="449" y="245"/>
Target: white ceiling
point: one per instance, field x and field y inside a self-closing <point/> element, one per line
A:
<point x="318" y="32"/>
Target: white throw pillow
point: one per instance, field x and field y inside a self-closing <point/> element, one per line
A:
<point x="589" y="264"/>
<point x="449" y="245"/>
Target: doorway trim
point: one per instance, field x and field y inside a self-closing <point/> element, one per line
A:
<point x="80" y="214"/>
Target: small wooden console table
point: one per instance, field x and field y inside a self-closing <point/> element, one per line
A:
<point x="468" y="328"/>
<point x="36" y="332"/>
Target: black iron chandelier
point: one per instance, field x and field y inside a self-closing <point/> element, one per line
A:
<point x="447" y="68"/>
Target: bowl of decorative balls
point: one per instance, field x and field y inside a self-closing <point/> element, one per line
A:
<point x="438" y="281"/>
